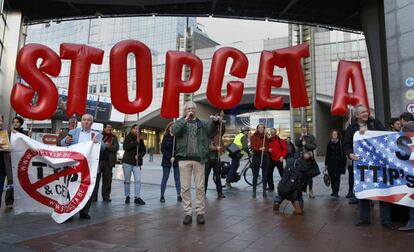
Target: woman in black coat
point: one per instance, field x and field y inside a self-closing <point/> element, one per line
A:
<point x="168" y="159"/>
<point x="335" y="161"/>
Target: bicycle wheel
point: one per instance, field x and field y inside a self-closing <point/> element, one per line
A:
<point x="248" y="176"/>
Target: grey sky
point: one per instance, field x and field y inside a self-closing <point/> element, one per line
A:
<point x="226" y="31"/>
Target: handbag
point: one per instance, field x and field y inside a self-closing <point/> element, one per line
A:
<point x="233" y="149"/>
<point x="326" y="178"/>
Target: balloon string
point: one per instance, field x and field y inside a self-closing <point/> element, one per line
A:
<point x="173" y="150"/>
<point x="264" y="140"/>
<point x="219" y="139"/>
<point x="139" y="140"/>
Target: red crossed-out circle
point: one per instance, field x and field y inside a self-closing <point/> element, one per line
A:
<point x="31" y="189"/>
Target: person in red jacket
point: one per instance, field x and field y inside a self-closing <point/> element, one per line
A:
<point x="279" y="150"/>
<point x="260" y="146"/>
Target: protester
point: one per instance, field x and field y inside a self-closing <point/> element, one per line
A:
<point x="260" y="146"/>
<point x="408" y="126"/>
<point x="362" y="123"/>
<point x="135" y="150"/>
<point x="192" y="136"/>
<point x="241" y="141"/>
<point x="151" y="151"/>
<point x="395" y="124"/>
<point x="107" y="161"/>
<point x="306" y="142"/>
<point x="169" y="150"/>
<point x="295" y="176"/>
<point x="72" y="124"/>
<point x="17" y="126"/>
<point x="291" y="148"/>
<point x="335" y="161"/>
<point x="406" y="118"/>
<point x="80" y="135"/>
<point x="5" y="163"/>
<point x="216" y="149"/>
<point x="279" y="151"/>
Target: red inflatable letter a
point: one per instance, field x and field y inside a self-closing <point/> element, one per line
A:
<point x="349" y="70"/>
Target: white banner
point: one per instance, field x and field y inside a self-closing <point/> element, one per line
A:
<point x="51" y="178"/>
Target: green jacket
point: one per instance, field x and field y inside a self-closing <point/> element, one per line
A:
<point x="205" y="129"/>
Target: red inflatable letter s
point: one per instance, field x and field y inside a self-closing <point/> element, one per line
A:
<point x="22" y="96"/>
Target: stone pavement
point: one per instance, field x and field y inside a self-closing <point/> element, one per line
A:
<point x="236" y="223"/>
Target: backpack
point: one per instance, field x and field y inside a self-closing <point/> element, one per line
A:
<point x="290" y="183"/>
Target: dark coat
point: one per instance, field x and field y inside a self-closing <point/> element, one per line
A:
<point x="130" y="148"/>
<point x="167" y="149"/>
<point x="111" y="151"/>
<point x="291" y="150"/>
<point x="372" y="124"/>
<point x="335" y="158"/>
<point x="310" y="143"/>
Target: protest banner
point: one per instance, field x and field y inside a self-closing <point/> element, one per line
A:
<point x="52" y="179"/>
<point x="384" y="170"/>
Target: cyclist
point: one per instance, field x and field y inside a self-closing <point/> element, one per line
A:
<point x="242" y="142"/>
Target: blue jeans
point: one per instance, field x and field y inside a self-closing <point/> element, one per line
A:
<point x="128" y="169"/>
<point x="231" y="176"/>
<point x="2" y="178"/>
<point x="166" y="175"/>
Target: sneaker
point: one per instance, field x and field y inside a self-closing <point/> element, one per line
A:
<point x="179" y="198"/>
<point x="362" y="223"/>
<point x="276" y="206"/>
<point x="311" y="195"/>
<point x="297" y="207"/>
<point x="200" y="219"/>
<point x="127" y="200"/>
<point x="162" y="199"/>
<point x="187" y="220"/>
<point x="220" y="196"/>
<point x="335" y="195"/>
<point x="406" y="228"/>
<point x="139" y="201"/>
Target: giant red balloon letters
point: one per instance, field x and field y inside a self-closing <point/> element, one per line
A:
<point x="349" y="70"/>
<point x="82" y="56"/>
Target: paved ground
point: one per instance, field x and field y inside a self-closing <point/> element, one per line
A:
<point x="236" y="223"/>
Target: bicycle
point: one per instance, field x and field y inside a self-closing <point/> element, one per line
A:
<point x="246" y="172"/>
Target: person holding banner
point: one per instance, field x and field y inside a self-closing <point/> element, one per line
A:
<point x="168" y="149"/>
<point x="192" y="136"/>
<point x="260" y="146"/>
<point x="279" y="151"/>
<point x="362" y="123"/>
<point x="407" y="123"/>
<point x="72" y="124"/>
<point x="5" y="162"/>
<point x="80" y="135"/>
<point x="132" y="163"/>
<point x="17" y="126"/>
<point x="107" y="160"/>
<point x="216" y="149"/>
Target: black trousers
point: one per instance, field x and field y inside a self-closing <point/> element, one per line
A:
<point x="335" y="176"/>
<point x="272" y="165"/>
<point x="104" y="171"/>
<point x="351" y="179"/>
<point x="256" y="167"/>
<point x="213" y="164"/>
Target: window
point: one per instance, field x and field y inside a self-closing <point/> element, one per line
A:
<point x="103" y="88"/>
<point x="160" y="84"/>
<point x="92" y="89"/>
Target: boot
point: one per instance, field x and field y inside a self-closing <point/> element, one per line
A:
<point x="264" y="194"/>
<point x="296" y="206"/>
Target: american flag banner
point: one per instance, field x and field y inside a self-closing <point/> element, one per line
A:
<point x="385" y="169"/>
